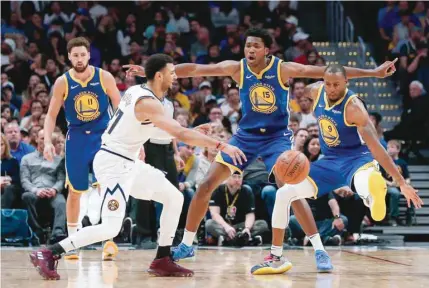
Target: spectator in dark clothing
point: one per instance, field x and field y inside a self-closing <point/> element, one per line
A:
<point x="10" y="181"/>
<point x="414" y="121"/>
<point x="330" y="222"/>
<point x="232" y="208"/>
<point x="376" y="119"/>
<point x="43" y="184"/>
<point x="18" y="149"/>
<point x="393" y="148"/>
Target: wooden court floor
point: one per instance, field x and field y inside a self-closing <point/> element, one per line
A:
<point x="354" y="267"/>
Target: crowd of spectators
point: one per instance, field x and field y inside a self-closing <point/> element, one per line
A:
<point x="404" y="30"/>
<point x="33" y="55"/>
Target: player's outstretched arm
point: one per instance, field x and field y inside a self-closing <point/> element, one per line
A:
<point x="356" y="114"/>
<point x="224" y="68"/>
<point x="296" y="70"/>
<point x="149" y="108"/>
<point x="111" y="89"/>
<point x="57" y="100"/>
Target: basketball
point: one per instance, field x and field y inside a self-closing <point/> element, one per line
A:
<point x="292" y="167"/>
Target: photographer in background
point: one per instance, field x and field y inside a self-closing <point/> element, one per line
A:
<point x="232" y="210"/>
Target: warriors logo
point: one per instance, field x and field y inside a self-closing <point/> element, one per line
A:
<point x="263" y="99"/>
<point x="329" y="132"/>
<point x="86" y="106"/>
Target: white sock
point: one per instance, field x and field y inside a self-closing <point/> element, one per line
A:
<point x="277" y="250"/>
<point x="72" y="228"/>
<point x="316" y="242"/>
<point x="188" y="237"/>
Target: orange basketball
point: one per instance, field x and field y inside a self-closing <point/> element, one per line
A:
<point x="292" y="167"/>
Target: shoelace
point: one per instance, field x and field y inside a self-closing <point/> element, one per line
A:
<point x="271" y="257"/>
<point x="322" y="257"/>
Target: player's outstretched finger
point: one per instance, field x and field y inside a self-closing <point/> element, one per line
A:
<point x="234" y="160"/>
<point x="242" y="155"/>
<point x="237" y="155"/>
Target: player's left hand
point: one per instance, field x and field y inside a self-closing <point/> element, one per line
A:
<point x="134" y="70"/>
<point x="411" y="195"/>
<point x="386" y="69"/>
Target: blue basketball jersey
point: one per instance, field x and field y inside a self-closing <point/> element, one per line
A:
<point x="86" y="104"/>
<point x="264" y="98"/>
<point x="337" y="137"/>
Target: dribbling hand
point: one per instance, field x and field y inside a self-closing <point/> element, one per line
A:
<point x="411" y="195"/>
<point x="236" y="154"/>
<point x="49" y="152"/>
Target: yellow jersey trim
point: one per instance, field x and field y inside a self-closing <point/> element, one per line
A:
<point x="315" y="186"/>
<point x="67" y="88"/>
<point x="279" y="76"/>
<point x="318" y="97"/>
<point x="233" y="168"/>
<point x="83" y="84"/>
<point x="240" y="85"/>
<point x="102" y="81"/>
<point x="327" y="107"/>
<point x="345" y="109"/>
<point x="259" y="76"/>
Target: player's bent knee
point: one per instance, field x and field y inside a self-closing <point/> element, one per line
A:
<point x="113" y="227"/>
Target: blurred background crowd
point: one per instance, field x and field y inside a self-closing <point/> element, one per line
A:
<point x="33" y="54"/>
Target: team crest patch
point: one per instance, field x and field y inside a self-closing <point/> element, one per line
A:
<point x="263" y="98"/>
<point x="329" y="131"/>
<point x="113" y="205"/>
<point x="86" y="106"/>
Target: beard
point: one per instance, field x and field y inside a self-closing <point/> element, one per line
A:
<point x="80" y="69"/>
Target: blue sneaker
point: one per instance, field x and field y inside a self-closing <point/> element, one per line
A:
<point x="323" y="262"/>
<point x="182" y="251"/>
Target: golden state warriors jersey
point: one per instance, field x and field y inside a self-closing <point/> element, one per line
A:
<point x="337" y="137"/>
<point x="86" y="104"/>
<point x="264" y="98"/>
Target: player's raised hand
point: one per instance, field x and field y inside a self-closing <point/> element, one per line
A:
<point x="411" y="195"/>
<point x="204" y="128"/>
<point x="236" y="154"/>
<point x="134" y="70"/>
<point x="49" y="152"/>
<point x="386" y="69"/>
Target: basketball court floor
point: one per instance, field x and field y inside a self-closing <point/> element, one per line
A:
<point x="369" y="267"/>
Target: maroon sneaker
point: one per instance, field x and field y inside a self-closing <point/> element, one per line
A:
<point x="166" y="267"/>
<point x="46" y="263"/>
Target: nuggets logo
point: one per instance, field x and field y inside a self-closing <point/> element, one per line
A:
<point x="329" y="132"/>
<point x="87" y="106"/>
<point x="263" y="99"/>
<point x="113" y="205"/>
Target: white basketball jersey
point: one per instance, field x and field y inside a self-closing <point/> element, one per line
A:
<point x="125" y="134"/>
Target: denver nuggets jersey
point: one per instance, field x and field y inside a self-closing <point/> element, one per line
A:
<point x="337" y="137"/>
<point x="86" y="104"/>
<point x="125" y="134"/>
<point x="264" y="98"/>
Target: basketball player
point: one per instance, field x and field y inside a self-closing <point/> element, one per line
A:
<point x="84" y="91"/>
<point x="350" y="143"/>
<point x="139" y="115"/>
<point x="263" y="130"/>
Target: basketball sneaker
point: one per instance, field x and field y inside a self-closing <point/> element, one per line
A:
<point x="166" y="267"/>
<point x="46" y="263"/>
<point x="323" y="261"/>
<point x="272" y="265"/>
<point x="110" y="250"/>
<point x="378" y="191"/>
<point x="72" y="255"/>
<point x="182" y="251"/>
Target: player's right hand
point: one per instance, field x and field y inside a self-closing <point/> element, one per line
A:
<point x="49" y="152"/>
<point x="134" y="70"/>
<point x="236" y="154"/>
<point x="411" y="195"/>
